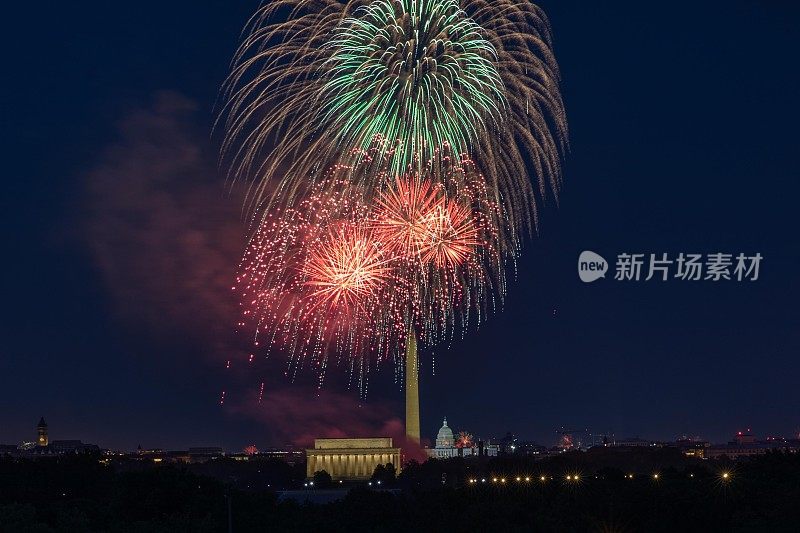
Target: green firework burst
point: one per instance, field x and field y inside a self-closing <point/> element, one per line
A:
<point x="419" y="74"/>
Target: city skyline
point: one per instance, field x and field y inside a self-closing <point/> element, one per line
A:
<point x="586" y="438"/>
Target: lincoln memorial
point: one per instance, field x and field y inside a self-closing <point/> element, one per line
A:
<point x="351" y="458"/>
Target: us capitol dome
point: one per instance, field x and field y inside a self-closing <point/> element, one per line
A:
<point x="445" y="437"/>
<point x="446" y="446"/>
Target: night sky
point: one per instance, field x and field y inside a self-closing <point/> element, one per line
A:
<point x="121" y="240"/>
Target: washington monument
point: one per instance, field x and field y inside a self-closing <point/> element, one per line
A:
<point x="412" y="389"/>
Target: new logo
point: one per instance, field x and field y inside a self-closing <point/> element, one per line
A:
<point x="591" y="266"/>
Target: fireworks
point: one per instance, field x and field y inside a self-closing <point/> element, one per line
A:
<point x="452" y="235"/>
<point x="464" y="440"/>
<point x="334" y="76"/>
<point x="416" y="220"/>
<point x="406" y="210"/>
<point x="418" y="73"/>
<point x="346" y="267"/>
<point x="311" y="278"/>
<point x="393" y="147"/>
<point x="337" y="274"/>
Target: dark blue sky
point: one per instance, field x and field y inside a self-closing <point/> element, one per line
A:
<point x="684" y="138"/>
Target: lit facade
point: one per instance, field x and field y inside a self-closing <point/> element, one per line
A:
<point x="351" y="459"/>
<point x="41" y="430"/>
<point x="446" y="446"/>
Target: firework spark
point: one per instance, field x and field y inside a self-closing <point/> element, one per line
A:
<point x="406" y="209"/>
<point x="345" y="268"/>
<point x="452" y="235"/>
<point x="311" y="277"/>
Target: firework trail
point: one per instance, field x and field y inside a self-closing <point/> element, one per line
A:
<point x="328" y="78"/>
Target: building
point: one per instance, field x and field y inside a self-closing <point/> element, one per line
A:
<point x="448" y="446"/>
<point x="445" y="439"/>
<point x="287" y="454"/>
<point x="745" y="444"/>
<point x="351" y="459"/>
<point x="692" y="447"/>
<point x="44" y="447"/>
<point x="157" y="455"/>
<point x="41" y="429"/>
<point x="529" y="448"/>
<point x="445" y="443"/>
<point x="58" y="448"/>
<point x="635" y="442"/>
<point x="201" y="454"/>
<point x="8" y="449"/>
<point x="70" y="447"/>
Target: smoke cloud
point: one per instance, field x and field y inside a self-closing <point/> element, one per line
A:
<point x="298" y="415"/>
<point x="166" y="239"/>
<point x="164" y="235"/>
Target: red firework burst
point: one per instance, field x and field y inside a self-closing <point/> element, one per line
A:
<point x="403" y="215"/>
<point x="345" y="268"/>
<point x="415" y="220"/>
<point x="464" y="440"/>
<point x="453" y="234"/>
